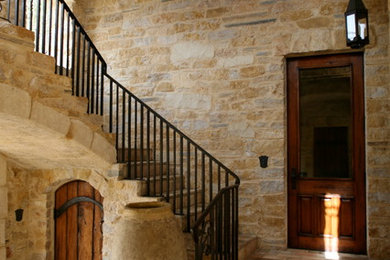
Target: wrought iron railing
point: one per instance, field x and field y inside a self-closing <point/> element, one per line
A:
<point x="216" y="231"/>
<point x="173" y="166"/>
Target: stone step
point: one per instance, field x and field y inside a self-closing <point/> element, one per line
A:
<point x="18" y="35"/>
<point x="136" y="169"/>
<point x="42" y="63"/>
<point x="76" y="106"/>
<point x="185" y="200"/>
<point x="164" y="181"/>
<point x="135" y="155"/>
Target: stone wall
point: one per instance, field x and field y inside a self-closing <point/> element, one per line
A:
<point x="216" y="68"/>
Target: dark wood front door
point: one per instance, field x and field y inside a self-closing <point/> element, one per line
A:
<point x="78" y="222"/>
<point x="326" y="162"/>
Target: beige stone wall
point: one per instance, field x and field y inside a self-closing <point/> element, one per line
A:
<point x="222" y="80"/>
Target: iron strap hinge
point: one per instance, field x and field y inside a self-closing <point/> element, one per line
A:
<point x="71" y="202"/>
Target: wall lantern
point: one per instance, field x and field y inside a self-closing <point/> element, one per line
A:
<point x="356" y="24"/>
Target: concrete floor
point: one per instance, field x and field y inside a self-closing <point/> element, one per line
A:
<point x="297" y="254"/>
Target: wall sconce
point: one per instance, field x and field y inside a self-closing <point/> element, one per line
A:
<point x="356" y="24"/>
<point x="19" y="215"/>
<point x="263" y="161"/>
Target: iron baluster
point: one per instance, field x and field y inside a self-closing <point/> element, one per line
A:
<point x="167" y="160"/>
<point x="154" y="154"/>
<point x="148" y="152"/>
<point x="24" y="13"/>
<point x="83" y="70"/>
<point x="141" y="125"/>
<point x="129" y="152"/>
<point x="67" y="45"/>
<point x="161" y="156"/>
<point x="56" y="35"/>
<point x="174" y="171"/>
<point x="110" y="106"/>
<point x="62" y="18"/>
<point x="97" y="85"/>
<point x="135" y="138"/>
<point x="188" y="186"/>
<point x="181" y="175"/>
<point x="44" y="27"/>
<point x="92" y="97"/>
<point x="203" y="189"/>
<point x="50" y="24"/>
<point x="37" y="26"/>
<point x="196" y="182"/>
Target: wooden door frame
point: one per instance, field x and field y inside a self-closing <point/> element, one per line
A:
<point x="293" y="138"/>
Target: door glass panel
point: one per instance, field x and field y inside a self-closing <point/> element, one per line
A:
<point x="325" y="122"/>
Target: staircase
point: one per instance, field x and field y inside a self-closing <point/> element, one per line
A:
<point x="203" y="192"/>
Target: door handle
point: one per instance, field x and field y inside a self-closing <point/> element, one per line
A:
<point x="294" y="177"/>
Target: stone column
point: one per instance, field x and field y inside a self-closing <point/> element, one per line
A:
<point x="3" y="205"/>
<point x="149" y="230"/>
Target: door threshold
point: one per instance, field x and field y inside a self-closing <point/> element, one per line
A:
<point x="295" y="254"/>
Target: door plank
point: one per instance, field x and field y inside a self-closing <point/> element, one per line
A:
<point x="97" y="229"/>
<point x="85" y="222"/>
<point x="61" y="197"/>
<point x="72" y="236"/>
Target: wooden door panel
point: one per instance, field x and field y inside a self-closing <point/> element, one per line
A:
<point x="326" y="200"/>
<point x="347" y="218"/>
<point x="305" y="209"/>
<point x="78" y="222"/>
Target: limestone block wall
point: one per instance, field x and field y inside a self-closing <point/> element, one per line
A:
<point x="216" y="68"/>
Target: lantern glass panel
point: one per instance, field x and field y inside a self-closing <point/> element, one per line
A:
<point x="362" y="28"/>
<point x="351" y="27"/>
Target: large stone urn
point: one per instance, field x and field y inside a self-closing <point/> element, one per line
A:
<point x="148" y="231"/>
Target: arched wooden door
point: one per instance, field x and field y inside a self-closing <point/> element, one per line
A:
<point x="78" y="222"/>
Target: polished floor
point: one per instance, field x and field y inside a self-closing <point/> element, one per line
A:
<point x="295" y="254"/>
